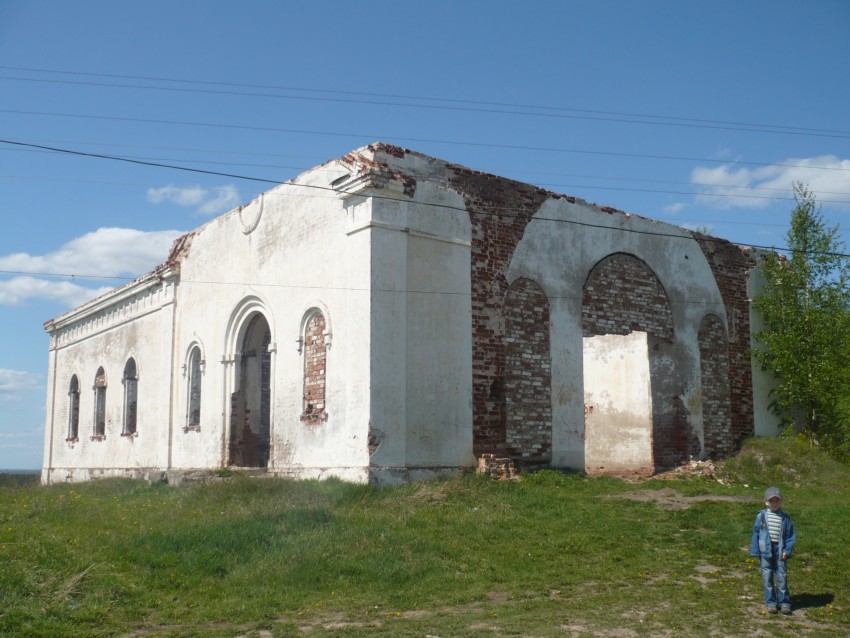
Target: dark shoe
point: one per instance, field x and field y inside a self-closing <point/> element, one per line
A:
<point x="771" y="610"/>
<point x="786" y="610"/>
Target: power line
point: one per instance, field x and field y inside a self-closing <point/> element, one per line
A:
<point x="181" y="149"/>
<point x="186" y="160"/>
<point x="513" y="147"/>
<point x="459" y="293"/>
<point x="566" y="112"/>
<point x="504" y="209"/>
<point x="545" y="184"/>
<point x="371" y="137"/>
<point x="674" y="221"/>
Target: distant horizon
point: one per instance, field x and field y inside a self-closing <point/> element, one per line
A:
<point x="30" y="471"/>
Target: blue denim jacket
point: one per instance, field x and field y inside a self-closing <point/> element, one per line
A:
<point x="760" y="544"/>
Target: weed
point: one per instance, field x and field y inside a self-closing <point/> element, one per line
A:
<point x="554" y="554"/>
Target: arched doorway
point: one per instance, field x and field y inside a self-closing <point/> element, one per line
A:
<point x="635" y="420"/>
<point x="250" y="402"/>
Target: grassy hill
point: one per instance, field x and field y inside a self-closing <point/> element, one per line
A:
<point x="551" y="555"/>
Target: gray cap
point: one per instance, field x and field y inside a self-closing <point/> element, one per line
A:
<point x="770" y="492"/>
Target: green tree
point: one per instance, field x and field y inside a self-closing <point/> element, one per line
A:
<point x="805" y="342"/>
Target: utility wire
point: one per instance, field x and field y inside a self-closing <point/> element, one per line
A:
<point x="600" y="118"/>
<point x="459" y="293"/>
<point x="158" y="163"/>
<point x="546" y="184"/>
<point x="512" y="147"/>
<point x="719" y="123"/>
<point x="675" y="221"/>
<point x="505" y="209"/>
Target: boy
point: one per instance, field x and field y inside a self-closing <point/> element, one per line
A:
<point x="773" y="542"/>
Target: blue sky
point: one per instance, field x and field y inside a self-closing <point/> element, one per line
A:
<point x="698" y="114"/>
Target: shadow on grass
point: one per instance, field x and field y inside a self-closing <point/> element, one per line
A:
<point x="808" y="601"/>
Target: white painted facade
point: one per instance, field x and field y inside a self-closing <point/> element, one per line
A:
<point x="389" y="270"/>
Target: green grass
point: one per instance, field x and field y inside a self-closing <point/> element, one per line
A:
<point x="552" y="555"/>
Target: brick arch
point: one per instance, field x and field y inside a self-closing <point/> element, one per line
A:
<point x="528" y="372"/>
<point x="622" y="294"/>
<point x="714" y="378"/>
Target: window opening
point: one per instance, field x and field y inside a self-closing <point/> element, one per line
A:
<point x="315" y="367"/>
<point x="99" y="406"/>
<point x="193" y="414"/>
<point x="131" y="392"/>
<point x="74" y="410"/>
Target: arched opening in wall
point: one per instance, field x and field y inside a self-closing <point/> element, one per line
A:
<point x="131" y="398"/>
<point x="314" y="407"/>
<point x="635" y="421"/>
<point x="714" y="378"/>
<point x="74" y="409"/>
<point x="99" y="430"/>
<point x="250" y="423"/>
<point x="528" y="373"/>
<point x="193" y="386"/>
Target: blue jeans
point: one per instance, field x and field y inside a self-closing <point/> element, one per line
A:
<point x="774" y="577"/>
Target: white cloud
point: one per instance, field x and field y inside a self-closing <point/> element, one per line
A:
<point x="107" y="252"/>
<point x="186" y="196"/>
<point x="207" y="202"/>
<point x="39" y="432"/>
<point x="13" y="382"/>
<point x="226" y="198"/>
<point x="733" y="186"/>
<point x="673" y="208"/>
<point x="19" y="290"/>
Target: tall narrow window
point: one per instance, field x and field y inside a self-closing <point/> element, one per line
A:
<point x="99" y="405"/>
<point x="74" y="409"/>
<point x="315" y="363"/>
<point x="131" y="394"/>
<point x="193" y="415"/>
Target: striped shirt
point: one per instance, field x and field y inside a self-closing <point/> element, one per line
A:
<point x="774" y="525"/>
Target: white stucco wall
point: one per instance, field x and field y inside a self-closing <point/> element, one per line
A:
<point x="132" y="322"/>
<point x="766" y="422"/>
<point x="283" y="256"/>
<point x="618" y="404"/>
<point x="421" y="350"/>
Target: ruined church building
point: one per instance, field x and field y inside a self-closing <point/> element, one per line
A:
<point x="389" y="316"/>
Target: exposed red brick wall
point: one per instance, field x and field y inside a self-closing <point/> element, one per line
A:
<point x="731" y="266"/>
<point x="714" y="375"/>
<point x="315" y="359"/>
<point x="528" y="372"/>
<point x="622" y="295"/>
<point x="499" y="211"/>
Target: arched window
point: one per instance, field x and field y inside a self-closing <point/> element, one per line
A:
<point x="74" y="409"/>
<point x="193" y="383"/>
<point x="315" y="367"/>
<point x="99" y="405"/>
<point x="131" y="393"/>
